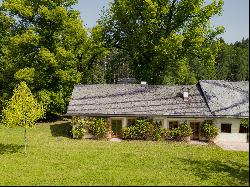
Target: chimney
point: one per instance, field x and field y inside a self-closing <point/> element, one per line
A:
<point x="185" y="96"/>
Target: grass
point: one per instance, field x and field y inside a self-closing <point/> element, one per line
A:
<point x="56" y="159"/>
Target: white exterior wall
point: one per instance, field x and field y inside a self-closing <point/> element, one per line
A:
<point x="164" y="119"/>
<point x="234" y="136"/>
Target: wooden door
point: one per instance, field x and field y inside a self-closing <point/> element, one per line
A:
<point x="196" y="130"/>
<point x="116" y="127"/>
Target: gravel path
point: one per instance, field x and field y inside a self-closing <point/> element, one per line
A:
<point x="235" y="146"/>
<point x="115" y="140"/>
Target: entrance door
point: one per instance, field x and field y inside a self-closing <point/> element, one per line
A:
<point x="196" y="130"/>
<point x="116" y="127"/>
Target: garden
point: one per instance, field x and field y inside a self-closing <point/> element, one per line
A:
<point x="142" y="129"/>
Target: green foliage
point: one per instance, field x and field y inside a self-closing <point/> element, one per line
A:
<point x="79" y="126"/>
<point x="185" y="130"/>
<point x="22" y="109"/>
<point x="147" y="129"/>
<point x="98" y="127"/>
<point x="129" y="132"/>
<point x="156" y="131"/>
<point x="233" y="61"/>
<point x="245" y="122"/>
<point x="180" y="133"/>
<point x="209" y="130"/>
<point x="159" y="39"/>
<point x="45" y="44"/>
<point x="140" y="130"/>
<point x="167" y="134"/>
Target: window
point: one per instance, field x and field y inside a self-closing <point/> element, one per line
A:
<point x="131" y="122"/>
<point x="226" y="127"/>
<point x="243" y="129"/>
<point x="160" y="121"/>
<point x="173" y="124"/>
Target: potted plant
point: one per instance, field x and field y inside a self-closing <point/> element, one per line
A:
<point x="184" y="132"/>
<point x="209" y="130"/>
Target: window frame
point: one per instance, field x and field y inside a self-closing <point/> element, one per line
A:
<point x="172" y="121"/>
<point x="115" y="119"/>
<point x="157" y="120"/>
<point x="223" y="130"/>
<point x="243" y="129"/>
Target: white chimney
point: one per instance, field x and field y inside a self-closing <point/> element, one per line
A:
<point x="185" y="96"/>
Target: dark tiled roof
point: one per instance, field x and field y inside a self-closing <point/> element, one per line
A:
<point x="226" y="98"/>
<point x="134" y="99"/>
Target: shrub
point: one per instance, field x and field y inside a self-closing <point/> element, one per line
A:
<point x="129" y="132"/>
<point x="79" y="125"/>
<point x="98" y="127"/>
<point x="140" y="130"/>
<point x="156" y="131"/>
<point x="245" y="122"/>
<point x="185" y="130"/>
<point x="209" y="130"/>
<point x="181" y="133"/>
<point x="168" y="134"/>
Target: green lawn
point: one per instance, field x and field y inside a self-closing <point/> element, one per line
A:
<point x="55" y="159"/>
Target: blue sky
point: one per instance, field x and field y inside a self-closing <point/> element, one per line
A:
<point x="235" y="17"/>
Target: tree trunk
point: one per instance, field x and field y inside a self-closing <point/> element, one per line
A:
<point x="25" y="142"/>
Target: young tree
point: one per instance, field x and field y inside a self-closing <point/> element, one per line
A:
<point x="161" y="37"/>
<point x="22" y="110"/>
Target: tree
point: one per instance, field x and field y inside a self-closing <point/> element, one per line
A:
<point x="22" y="110"/>
<point x="233" y="61"/>
<point x="116" y="66"/>
<point x="48" y="48"/>
<point x="95" y="58"/>
<point x="5" y="31"/>
<point x="162" y="37"/>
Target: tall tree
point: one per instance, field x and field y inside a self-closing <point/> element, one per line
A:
<point x="48" y="48"/>
<point x="6" y="23"/>
<point x="22" y="110"/>
<point x="233" y="61"/>
<point x="161" y="37"/>
<point x="117" y="66"/>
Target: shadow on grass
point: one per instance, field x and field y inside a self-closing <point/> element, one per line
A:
<point x="207" y="168"/>
<point x="9" y="148"/>
<point x="62" y="129"/>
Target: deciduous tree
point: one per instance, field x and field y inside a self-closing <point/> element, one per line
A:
<point x="22" y="110"/>
<point x="161" y="37"/>
<point x="48" y="48"/>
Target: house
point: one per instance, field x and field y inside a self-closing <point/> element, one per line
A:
<point x="222" y="101"/>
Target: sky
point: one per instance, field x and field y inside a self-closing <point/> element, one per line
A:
<point x="235" y="17"/>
